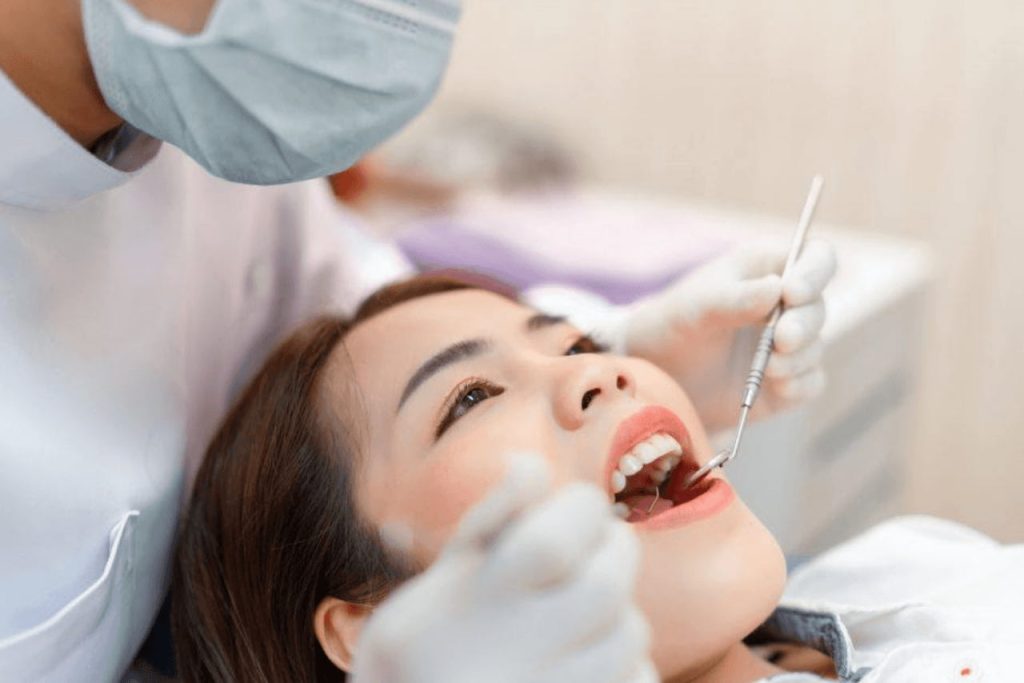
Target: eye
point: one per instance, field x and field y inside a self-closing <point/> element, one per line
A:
<point x="466" y="396"/>
<point x="585" y="344"/>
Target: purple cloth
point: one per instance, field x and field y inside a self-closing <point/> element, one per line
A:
<point x="437" y="246"/>
<point x="620" y="249"/>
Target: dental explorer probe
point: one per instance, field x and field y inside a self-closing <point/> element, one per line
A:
<point x="763" y="351"/>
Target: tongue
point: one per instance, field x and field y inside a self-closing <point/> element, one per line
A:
<point x="641" y="502"/>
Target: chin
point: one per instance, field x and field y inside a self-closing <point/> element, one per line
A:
<point x="705" y="588"/>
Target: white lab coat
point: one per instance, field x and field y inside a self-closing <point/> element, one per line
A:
<point x="128" y="321"/>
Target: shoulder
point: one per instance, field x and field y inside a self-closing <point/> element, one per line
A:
<point x="904" y="559"/>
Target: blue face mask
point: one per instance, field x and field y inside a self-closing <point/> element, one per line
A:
<point x="273" y="91"/>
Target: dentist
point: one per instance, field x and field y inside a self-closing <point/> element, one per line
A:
<point x="140" y="286"/>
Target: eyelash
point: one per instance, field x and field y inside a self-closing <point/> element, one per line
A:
<point x="461" y="392"/>
<point x="582" y="344"/>
<point x="588" y="344"/>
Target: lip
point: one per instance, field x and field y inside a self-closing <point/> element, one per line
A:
<point x="658" y="419"/>
<point x="717" y="497"/>
<point x="639" y="426"/>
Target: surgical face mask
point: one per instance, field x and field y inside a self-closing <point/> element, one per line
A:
<point x="273" y="90"/>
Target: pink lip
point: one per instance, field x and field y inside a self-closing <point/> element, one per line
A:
<point x="717" y="497"/>
<point x="652" y="420"/>
<point x="641" y="425"/>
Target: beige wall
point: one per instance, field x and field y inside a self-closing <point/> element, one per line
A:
<point x="913" y="110"/>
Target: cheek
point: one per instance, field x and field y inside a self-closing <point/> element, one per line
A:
<point x="706" y="587"/>
<point x="433" y="493"/>
<point x="451" y="485"/>
<point x="655" y="385"/>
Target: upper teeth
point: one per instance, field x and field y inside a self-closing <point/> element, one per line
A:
<point x="646" y="452"/>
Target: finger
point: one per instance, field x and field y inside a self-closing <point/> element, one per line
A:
<point x="584" y="610"/>
<point x="800" y="388"/>
<point x="783" y="366"/>
<point x="645" y="673"/>
<point x="758" y="260"/>
<point x="594" y="600"/>
<point x="799" y="327"/>
<point x="609" y="659"/>
<point x="552" y="541"/>
<point x="526" y="482"/>
<point x="397" y="537"/>
<point x="812" y="271"/>
<point x="746" y="302"/>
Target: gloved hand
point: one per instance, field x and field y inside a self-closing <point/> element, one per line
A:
<point x="530" y="588"/>
<point x="703" y="329"/>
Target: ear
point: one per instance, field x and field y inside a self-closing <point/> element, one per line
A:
<point x="337" y="625"/>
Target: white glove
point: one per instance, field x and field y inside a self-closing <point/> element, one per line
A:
<point x="527" y="590"/>
<point x="703" y="328"/>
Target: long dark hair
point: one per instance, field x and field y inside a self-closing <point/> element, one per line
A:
<point x="271" y="528"/>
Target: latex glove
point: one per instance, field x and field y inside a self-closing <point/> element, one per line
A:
<point x="530" y="588"/>
<point x="703" y="328"/>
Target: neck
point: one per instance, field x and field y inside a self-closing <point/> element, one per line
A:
<point x="43" y="52"/>
<point x="738" y="665"/>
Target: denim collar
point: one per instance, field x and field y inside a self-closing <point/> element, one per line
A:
<point x="822" y="631"/>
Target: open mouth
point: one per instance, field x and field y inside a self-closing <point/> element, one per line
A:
<point x="650" y="459"/>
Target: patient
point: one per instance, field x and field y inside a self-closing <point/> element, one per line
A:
<point x="348" y="427"/>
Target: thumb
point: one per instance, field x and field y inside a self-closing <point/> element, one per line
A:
<point x="748" y="301"/>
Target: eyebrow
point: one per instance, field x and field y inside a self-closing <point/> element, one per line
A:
<point x="452" y="354"/>
<point x="465" y="350"/>
<point x="542" y="320"/>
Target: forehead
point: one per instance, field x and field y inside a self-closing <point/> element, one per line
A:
<point x="386" y="349"/>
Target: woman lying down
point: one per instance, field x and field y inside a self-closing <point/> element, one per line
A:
<point x="370" y="459"/>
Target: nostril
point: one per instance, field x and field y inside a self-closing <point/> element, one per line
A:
<point x="588" y="397"/>
<point x="621" y="382"/>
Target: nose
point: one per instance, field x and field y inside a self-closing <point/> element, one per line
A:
<point x="587" y="382"/>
